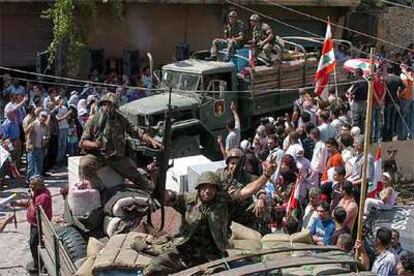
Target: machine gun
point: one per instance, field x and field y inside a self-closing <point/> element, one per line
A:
<point x="162" y="161"/>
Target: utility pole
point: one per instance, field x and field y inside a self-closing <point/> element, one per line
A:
<point x="367" y="136"/>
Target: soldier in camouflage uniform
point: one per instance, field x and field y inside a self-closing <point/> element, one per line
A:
<point x="263" y="38"/>
<point x="205" y="228"/>
<point x="234" y="38"/>
<point x="104" y="138"/>
<point x="241" y="187"/>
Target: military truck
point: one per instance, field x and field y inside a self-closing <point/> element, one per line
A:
<point x="203" y="90"/>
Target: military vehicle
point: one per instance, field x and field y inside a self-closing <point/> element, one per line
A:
<point x="203" y="90"/>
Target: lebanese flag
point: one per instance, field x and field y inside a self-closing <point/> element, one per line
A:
<point x="375" y="187"/>
<point x="294" y="199"/>
<point x="326" y="64"/>
<point x="252" y="59"/>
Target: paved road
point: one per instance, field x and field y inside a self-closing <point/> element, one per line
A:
<point x="14" y="250"/>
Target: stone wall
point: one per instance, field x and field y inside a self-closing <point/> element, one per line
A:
<point x="396" y="25"/>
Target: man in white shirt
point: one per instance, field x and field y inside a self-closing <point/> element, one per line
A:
<point x="233" y="138"/>
<point x="319" y="158"/>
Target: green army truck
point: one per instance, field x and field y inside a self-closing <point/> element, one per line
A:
<point x="203" y="91"/>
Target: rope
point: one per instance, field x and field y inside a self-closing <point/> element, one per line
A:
<point x="399" y="112"/>
<point x="282" y="90"/>
<point x="300" y="29"/>
<point x="74" y="80"/>
<point x="45" y="82"/>
<point x="336" y="25"/>
<point x="397" y="4"/>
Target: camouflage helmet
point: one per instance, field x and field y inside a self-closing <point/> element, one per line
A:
<point x="255" y="17"/>
<point x="208" y="178"/>
<point x="234" y="153"/>
<point x="109" y="97"/>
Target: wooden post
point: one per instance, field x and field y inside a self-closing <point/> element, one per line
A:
<point x="367" y="136"/>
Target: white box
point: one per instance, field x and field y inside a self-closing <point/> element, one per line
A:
<point x="109" y="177"/>
<point x="195" y="171"/>
<point x="177" y="174"/>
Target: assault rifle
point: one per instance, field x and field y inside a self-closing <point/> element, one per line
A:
<point x="235" y="177"/>
<point x="163" y="161"/>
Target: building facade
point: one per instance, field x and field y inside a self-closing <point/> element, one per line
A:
<point x="153" y="26"/>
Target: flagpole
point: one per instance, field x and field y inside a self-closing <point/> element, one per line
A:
<point x="367" y="136"/>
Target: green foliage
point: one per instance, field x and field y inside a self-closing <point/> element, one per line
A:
<point x="372" y="3"/>
<point x="70" y="20"/>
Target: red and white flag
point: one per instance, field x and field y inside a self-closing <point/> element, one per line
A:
<point x="294" y="199"/>
<point x="375" y="187"/>
<point x="326" y="64"/>
<point x="252" y="59"/>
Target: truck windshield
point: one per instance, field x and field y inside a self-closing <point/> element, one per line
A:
<point x="180" y="80"/>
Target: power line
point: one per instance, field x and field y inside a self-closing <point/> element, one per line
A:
<point x="297" y="28"/>
<point x="74" y="80"/>
<point x="337" y="25"/>
<point x="44" y="82"/>
<point x="397" y="108"/>
<point x="397" y="4"/>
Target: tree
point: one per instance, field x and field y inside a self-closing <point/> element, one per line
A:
<point x="70" y="20"/>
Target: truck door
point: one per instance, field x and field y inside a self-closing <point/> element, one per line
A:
<point x="215" y="109"/>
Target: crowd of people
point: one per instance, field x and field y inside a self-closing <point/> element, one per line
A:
<point x="317" y="184"/>
<point x="300" y="172"/>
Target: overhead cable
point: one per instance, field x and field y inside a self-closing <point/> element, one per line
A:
<point x="336" y="25"/>
<point x="297" y="28"/>
<point x="397" y="4"/>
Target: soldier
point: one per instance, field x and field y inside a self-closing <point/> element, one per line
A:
<point x="263" y="38"/>
<point x="234" y="38"/>
<point x="204" y="231"/>
<point x="237" y="183"/>
<point x="104" y="138"/>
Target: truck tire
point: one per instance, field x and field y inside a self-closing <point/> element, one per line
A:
<point x="73" y="241"/>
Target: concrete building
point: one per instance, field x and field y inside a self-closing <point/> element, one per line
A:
<point x="155" y="26"/>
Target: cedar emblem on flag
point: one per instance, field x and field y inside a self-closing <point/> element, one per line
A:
<point x="326" y="64"/>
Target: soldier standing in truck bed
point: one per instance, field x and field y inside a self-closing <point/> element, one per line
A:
<point x="104" y="139"/>
<point x="234" y="38"/>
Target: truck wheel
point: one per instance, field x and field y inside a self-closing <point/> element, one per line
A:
<point x="73" y="242"/>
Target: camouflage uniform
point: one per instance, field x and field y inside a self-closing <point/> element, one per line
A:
<point x="230" y="32"/>
<point x="240" y="211"/>
<point x="259" y="34"/>
<point x="111" y="131"/>
<point x="203" y="235"/>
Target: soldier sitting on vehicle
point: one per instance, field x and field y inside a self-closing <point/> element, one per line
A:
<point x="205" y="227"/>
<point x="104" y="139"/>
<point x="263" y="38"/>
<point x="234" y="38"/>
<point x="233" y="179"/>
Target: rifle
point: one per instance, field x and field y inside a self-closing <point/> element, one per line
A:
<point x="163" y="162"/>
<point x="238" y="171"/>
